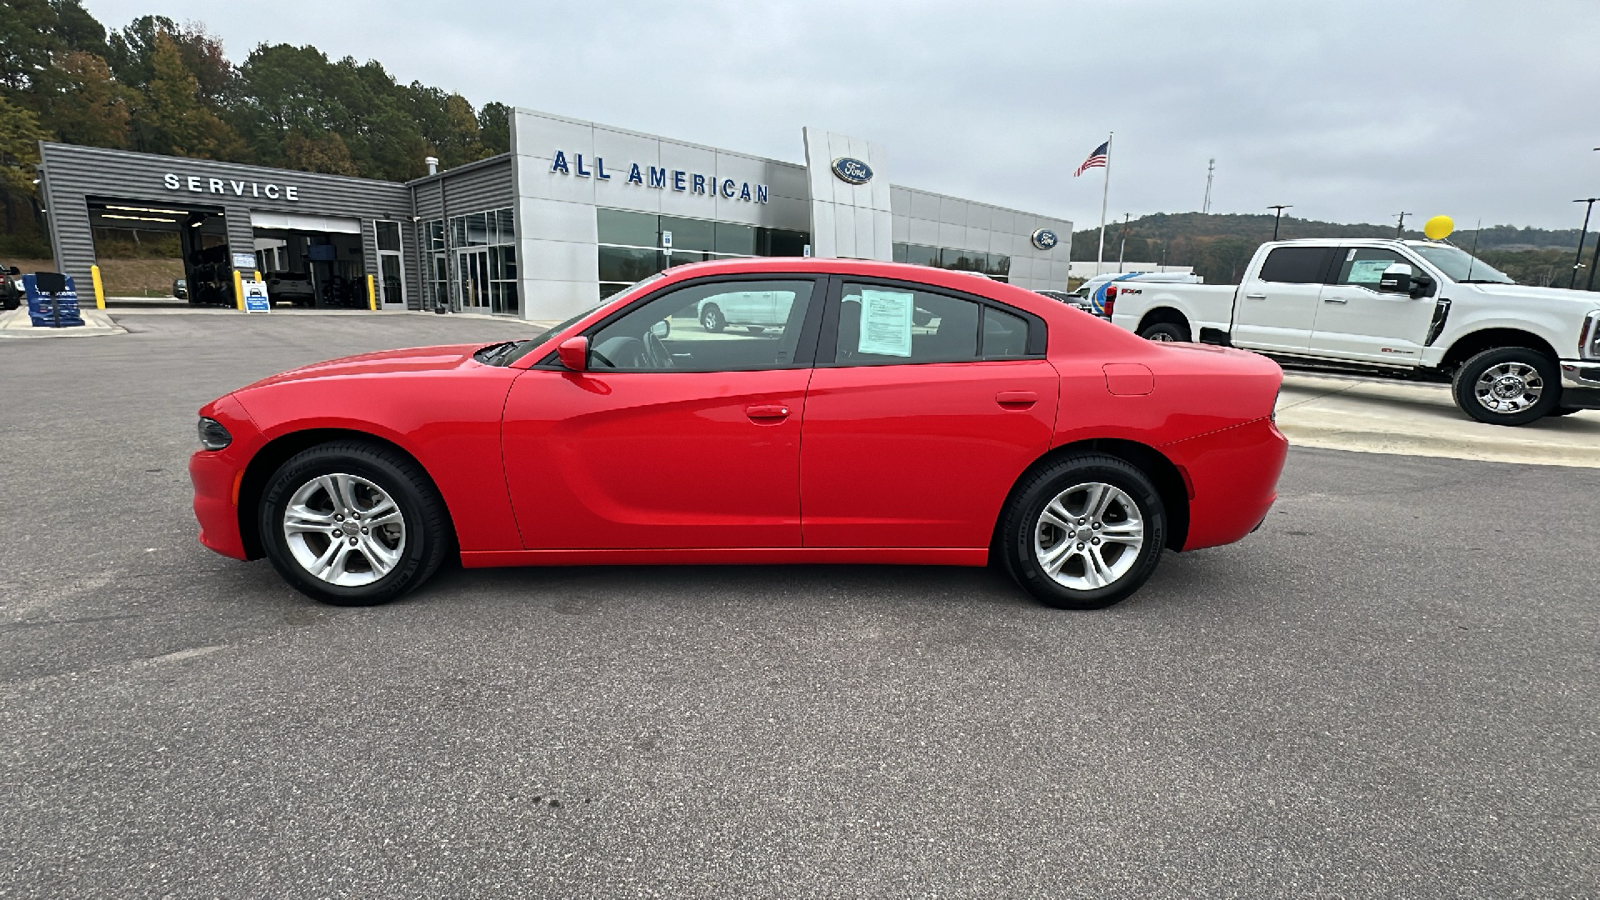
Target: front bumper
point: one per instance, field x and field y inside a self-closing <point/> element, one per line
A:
<point x="1580" y="385"/>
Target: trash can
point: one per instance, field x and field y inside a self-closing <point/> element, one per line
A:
<point x="52" y="300"/>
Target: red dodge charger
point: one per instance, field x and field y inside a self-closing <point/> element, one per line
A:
<point x="754" y="411"/>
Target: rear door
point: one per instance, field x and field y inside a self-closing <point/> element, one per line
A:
<point x="924" y="408"/>
<point x="1357" y="321"/>
<point x="1276" y="306"/>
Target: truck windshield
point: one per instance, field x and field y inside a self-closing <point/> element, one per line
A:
<point x="1461" y="266"/>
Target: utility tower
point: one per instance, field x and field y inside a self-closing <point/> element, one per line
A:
<point x="1211" y="170"/>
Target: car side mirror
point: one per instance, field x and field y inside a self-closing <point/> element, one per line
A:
<point x="14" y="271"/>
<point x="574" y="353"/>
<point x="1396" y="279"/>
<point x="661" y="329"/>
<point x="1421" y="285"/>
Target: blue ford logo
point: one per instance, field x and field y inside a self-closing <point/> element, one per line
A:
<point x="1045" y="239"/>
<point x="853" y="171"/>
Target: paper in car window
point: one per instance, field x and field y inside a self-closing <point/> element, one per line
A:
<point x="885" y="322"/>
<point x="1368" y="271"/>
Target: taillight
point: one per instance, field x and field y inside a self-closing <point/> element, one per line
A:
<point x="1111" y="292"/>
<point x="1111" y="306"/>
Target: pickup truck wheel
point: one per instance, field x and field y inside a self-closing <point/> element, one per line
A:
<point x="1165" y="332"/>
<point x="712" y="319"/>
<point x="1508" y="386"/>
<point x="1084" y="532"/>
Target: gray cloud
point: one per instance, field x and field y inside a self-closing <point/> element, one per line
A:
<point x="1350" y="111"/>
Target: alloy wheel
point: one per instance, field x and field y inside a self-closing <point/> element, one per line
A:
<point x="1089" y="536"/>
<point x="344" y="530"/>
<point x="1509" y="387"/>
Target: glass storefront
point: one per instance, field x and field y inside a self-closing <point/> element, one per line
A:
<point x="485" y="248"/>
<point x="630" y="244"/>
<point x="995" y="265"/>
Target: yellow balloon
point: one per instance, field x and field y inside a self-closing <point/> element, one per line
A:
<point x="1439" y="227"/>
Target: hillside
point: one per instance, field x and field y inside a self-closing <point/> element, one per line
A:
<point x="1219" y="246"/>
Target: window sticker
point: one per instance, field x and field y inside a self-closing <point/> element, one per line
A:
<point x="885" y="322"/>
<point x="1368" y="271"/>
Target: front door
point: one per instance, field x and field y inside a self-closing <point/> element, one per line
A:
<point x="676" y="438"/>
<point x="391" y="281"/>
<point x="1276" y="307"/>
<point x="927" y="409"/>
<point x="1356" y="321"/>
<point x="472" y="273"/>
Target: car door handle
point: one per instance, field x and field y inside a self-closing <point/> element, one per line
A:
<point x="1335" y="300"/>
<point x="1016" y="399"/>
<point x="1255" y="296"/>
<point x="767" y="412"/>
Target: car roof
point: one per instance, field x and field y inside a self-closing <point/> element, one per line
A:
<point x="1021" y="298"/>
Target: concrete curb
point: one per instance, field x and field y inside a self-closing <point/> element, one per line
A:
<point x="96" y="323"/>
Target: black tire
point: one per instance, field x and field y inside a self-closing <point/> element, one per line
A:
<point x="1165" y="332"/>
<point x="1465" y="386"/>
<point x="427" y="528"/>
<point x="1021" y="524"/>
<point x="712" y="320"/>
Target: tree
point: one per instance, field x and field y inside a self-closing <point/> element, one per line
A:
<point x="324" y="153"/>
<point x="89" y="107"/>
<point x="459" y="141"/>
<point x="494" y="127"/>
<point x="20" y="134"/>
<point x="172" y="118"/>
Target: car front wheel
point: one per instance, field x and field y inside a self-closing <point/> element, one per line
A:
<point x="353" y="524"/>
<point x="1508" y="386"/>
<point x="1084" y="532"/>
<point x="711" y="319"/>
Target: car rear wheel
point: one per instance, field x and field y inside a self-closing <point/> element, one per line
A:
<point x="1165" y="332"/>
<point x="1508" y="386"/>
<point x="353" y="524"/>
<point x="711" y="319"/>
<point x="1084" y="532"/>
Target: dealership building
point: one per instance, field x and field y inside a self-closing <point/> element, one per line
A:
<point x="575" y="212"/>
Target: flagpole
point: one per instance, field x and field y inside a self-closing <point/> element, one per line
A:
<point x="1104" y="193"/>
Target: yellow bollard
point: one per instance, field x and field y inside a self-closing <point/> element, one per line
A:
<point x="238" y="290"/>
<point x="99" y="289"/>
<point x="372" y="295"/>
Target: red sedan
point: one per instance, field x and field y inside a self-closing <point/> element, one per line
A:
<point x="754" y="411"/>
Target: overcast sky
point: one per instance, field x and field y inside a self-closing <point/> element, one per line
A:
<point x="1350" y="111"/>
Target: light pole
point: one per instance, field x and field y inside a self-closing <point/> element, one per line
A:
<point x="1577" y="262"/>
<point x="1280" y="208"/>
<point x="1400" y="230"/>
<point x="1594" y="260"/>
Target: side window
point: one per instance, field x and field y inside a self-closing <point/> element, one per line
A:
<point x="719" y="326"/>
<point x="1297" y="265"/>
<point x="1363" y="267"/>
<point x="883" y="325"/>
<point x="1005" y="336"/>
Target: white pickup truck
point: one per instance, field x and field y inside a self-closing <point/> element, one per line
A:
<point x="1512" y="353"/>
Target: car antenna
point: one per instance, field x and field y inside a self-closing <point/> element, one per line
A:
<point x="1472" y="257"/>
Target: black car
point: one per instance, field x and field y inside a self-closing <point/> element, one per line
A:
<point x="12" y="293"/>
<point x="180" y="289"/>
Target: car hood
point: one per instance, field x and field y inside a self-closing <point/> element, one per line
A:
<point x="1578" y="300"/>
<point x="384" y="362"/>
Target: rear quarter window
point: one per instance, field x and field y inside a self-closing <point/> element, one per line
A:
<point x="1297" y="265"/>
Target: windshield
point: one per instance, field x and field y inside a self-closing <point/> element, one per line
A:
<point x="524" y="347"/>
<point x="1461" y="266"/>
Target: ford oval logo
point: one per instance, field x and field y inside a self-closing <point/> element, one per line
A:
<point x="853" y="171"/>
<point x="1045" y="239"/>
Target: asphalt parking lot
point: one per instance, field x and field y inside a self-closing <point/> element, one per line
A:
<point x="1393" y="689"/>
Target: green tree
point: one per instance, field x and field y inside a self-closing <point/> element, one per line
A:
<point x="494" y="127"/>
<point x="89" y="106"/>
<point x="172" y="119"/>
<point x="323" y="153"/>
<point x="20" y="134"/>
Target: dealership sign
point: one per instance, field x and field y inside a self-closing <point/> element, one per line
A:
<point x="679" y="179"/>
<point x="852" y="171"/>
<point x="1045" y="239"/>
<point x="230" y="188"/>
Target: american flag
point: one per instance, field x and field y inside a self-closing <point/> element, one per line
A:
<point x="1097" y="159"/>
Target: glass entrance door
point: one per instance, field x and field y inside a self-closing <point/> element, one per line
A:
<point x="472" y="272"/>
<point x="391" y="281"/>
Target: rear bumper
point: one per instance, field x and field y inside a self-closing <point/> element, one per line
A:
<point x="1232" y="477"/>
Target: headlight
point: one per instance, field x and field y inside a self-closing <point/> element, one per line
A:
<point x="213" y="436"/>
<point x="1589" y="337"/>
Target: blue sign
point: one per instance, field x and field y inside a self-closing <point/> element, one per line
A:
<point x="1045" y="239"/>
<point x="852" y="171"/>
<point x="60" y="311"/>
